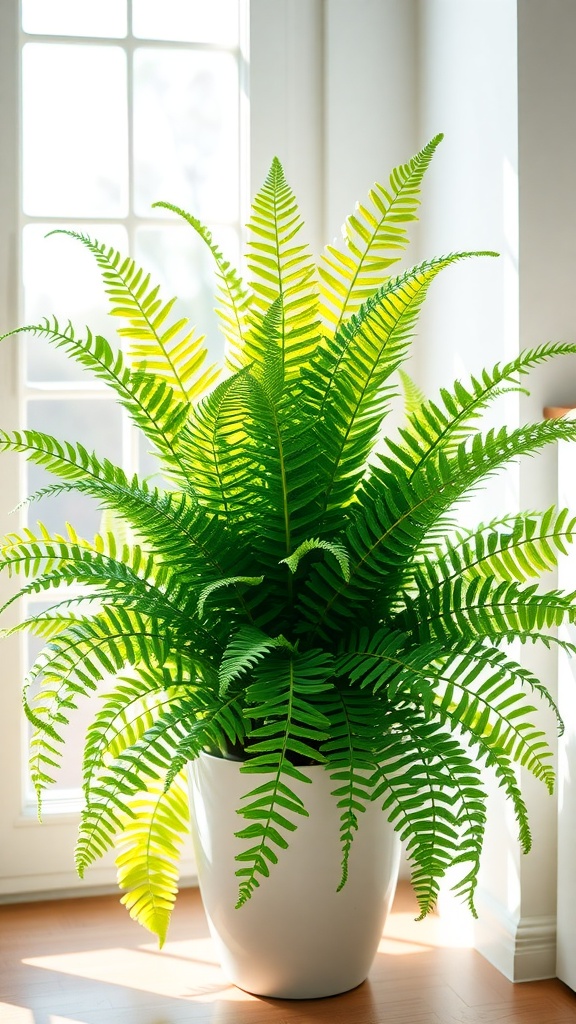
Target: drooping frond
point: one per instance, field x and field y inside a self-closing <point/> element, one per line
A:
<point x="146" y="761"/>
<point x="170" y="351"/>
<point x="487" y="701"/>
<point x="433" y="792"/>
<point x="480" y="690"/>
<point x="288" y="726"/>
<point x="149" y="852"/>
<point x="373" y="237"/>
<point x="355" y="723"/>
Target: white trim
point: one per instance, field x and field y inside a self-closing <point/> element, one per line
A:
<point x="37" y="888"/>
<point x="522" y="948"/>
<point x="535" y="948"/>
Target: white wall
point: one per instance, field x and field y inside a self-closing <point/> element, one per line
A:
<point x="286" y="101"/>
<point x="547" y="263"/>
<point x="499" y="78"/>
<point x="468" y="90"/>
<point x="334" y="96"/>
<point x="370" y="99"/>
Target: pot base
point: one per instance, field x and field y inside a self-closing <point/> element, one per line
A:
<point x="297" y="937"/>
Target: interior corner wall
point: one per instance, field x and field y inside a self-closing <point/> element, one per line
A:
<point x="547" y="312"/>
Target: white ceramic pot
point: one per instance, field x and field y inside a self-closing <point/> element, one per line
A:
<point x="297" y="937"/>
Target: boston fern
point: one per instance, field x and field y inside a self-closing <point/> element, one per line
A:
<point x="297" y="591"/>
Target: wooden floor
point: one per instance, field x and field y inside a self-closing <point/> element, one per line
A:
<point x="83" y="961"/>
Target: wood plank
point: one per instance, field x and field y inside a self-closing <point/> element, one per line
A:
<point x="83" y="961"/>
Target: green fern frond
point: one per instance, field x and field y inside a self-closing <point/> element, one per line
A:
<point x="338" y="551"/>
<point x="373" y="237"/>
<point x="170" y="351"/>
<point x="425" y="777"/>
<point x="483" y="607"/>
<point x="288" y="726"/>
<point x="220" y="729"/>
<point x="219" y="452"/>
<point x="245" y="649"/>
<point x="398" y="514"/>
<point x="414" y="397"/>
<point x="355" y="721"/>
<point x="515" y="547"/>
<point x="69" y="461"/>
<point x="282" y="269"/>
<point x="167" y="520"/>
<point x="347" y="384"/>
<point x="78" y="658"/>
<point x="124" y="716"/>
<point x="441" y="426"/>
<point x="231" y="581"/>
<point x="493" y="709"/>
<point x="52" y="559"/>
<point x="233" y="306"/>
<point x="111" y="792"/>
<point x="151" y="403"/>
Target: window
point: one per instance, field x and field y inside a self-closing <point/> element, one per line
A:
<point x="122" y="103"/>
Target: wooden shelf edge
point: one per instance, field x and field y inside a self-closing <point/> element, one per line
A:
<point x="553" y="412"/>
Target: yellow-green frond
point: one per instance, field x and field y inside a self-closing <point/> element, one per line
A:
<point x="373" y="238"/>
<point x="149" y="852"/>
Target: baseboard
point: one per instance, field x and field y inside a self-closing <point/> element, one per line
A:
<point x="522" y="949"/>
<point x="76" y="892"/>
<point x="536" y="948"/>
<point x="37" y="888"/>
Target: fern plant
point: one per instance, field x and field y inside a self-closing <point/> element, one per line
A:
<point x="298" y="592"/>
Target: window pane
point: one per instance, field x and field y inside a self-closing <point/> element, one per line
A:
<point x="74" y="131"/>
<point x="95" y="423"/>
<point x="186" y="132"/>
<point x="75" y="17"/>
<point x="62" y="279"/>
<point x="204" y="21"/>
